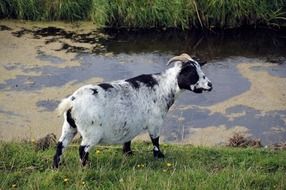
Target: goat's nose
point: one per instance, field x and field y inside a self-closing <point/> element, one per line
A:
<point x="210" y="85"/>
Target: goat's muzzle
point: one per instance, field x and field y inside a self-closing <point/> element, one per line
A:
<point x="210" y="85"/>
<point x="200" y="90"/>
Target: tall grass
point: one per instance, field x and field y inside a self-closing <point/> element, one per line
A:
<point x="21" y="9"/>
<point x="152" y="13"/>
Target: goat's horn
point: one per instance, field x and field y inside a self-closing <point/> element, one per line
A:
<point x="183" y="58"/>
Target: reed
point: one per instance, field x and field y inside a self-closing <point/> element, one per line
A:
<point x="70" y="10"/>
<point x="182" y="14"/>
<point x="20" y="9"/>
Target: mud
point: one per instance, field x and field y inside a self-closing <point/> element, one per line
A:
<point x="41" y="63"/>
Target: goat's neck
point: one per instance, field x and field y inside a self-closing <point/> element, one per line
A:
<point x="169" y="82"/>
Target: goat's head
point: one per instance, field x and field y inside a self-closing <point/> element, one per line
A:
<point x="190" y="76"/>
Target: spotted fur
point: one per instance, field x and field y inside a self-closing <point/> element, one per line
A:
<point x="116" y="112"/>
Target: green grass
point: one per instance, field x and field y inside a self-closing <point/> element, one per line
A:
<point x="182" y="14"/>
<point x="185" y="167"/>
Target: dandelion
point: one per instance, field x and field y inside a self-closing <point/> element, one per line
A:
<point x="169" y="164"/>
<point x="97" y="151"/>
<point x="83" y="182"/>
<point x="66" y="180"/>
<point x="140" y="165"/>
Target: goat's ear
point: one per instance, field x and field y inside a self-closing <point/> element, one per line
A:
<point x="201" y="62"/>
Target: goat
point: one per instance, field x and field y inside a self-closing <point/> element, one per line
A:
<point x="116" y="112"/>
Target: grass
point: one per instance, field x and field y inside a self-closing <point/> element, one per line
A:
<point x="182" y="14"/>
<point x="185" y="167"/>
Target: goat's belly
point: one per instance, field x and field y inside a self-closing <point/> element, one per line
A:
<point x="120" y="135"/>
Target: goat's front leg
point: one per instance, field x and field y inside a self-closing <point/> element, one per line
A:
<point x="127" y="149"/>
<point x="154" y="132"/>
<point x="156" y="149"/>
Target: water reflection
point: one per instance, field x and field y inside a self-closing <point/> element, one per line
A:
<point x="210" y="45"/>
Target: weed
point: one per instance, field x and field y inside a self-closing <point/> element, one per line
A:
<point x="185" y="167"/>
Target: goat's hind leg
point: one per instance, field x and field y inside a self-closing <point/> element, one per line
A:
<point x="127" y="149"/>
<point x="68" y="133"/>
<point x="90" y="138"/>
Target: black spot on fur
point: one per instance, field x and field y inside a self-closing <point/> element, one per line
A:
<point x="72" y="98"/>
<point x="94" y="91"/>
<point x="105" y="86"/>
<point x="147" y="80"/>
<point x="70" y="120"/>
<point x="187" y="76"/>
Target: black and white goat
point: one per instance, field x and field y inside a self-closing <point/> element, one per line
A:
<point x="116" y="112"/>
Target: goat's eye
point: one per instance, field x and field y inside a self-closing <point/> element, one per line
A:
<point x="204" y="77"/>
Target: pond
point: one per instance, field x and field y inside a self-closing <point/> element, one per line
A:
<point x="41" y="63"/>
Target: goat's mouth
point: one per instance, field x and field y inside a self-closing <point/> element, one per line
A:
<point x="200" y="90"/>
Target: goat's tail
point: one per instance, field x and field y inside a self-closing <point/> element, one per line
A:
<point x="65" y="105"/>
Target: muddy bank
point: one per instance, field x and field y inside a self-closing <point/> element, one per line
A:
<point x="41" y="63"/>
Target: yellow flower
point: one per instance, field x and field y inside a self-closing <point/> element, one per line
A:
<point x="140" y="165"/>
<point x="83" y="183"/>
<point x="97" y="151"/>
<point x="169" y="164"/>
<point x="66" y="179"/>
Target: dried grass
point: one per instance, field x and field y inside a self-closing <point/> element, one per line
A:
<point x="46" y="142"/>
<point x="238" y="140"/>
<point x="278" y="146"/>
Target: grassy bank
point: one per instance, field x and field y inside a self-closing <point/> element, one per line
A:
<point x="183" y="14"/>
<point x="185" y="167"/>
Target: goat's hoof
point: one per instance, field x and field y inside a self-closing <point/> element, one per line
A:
<point x="55" y="166"/>
<point x="56" y="163"/>
<point x="158" y="155"/>
<point x="84" y="162"/>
